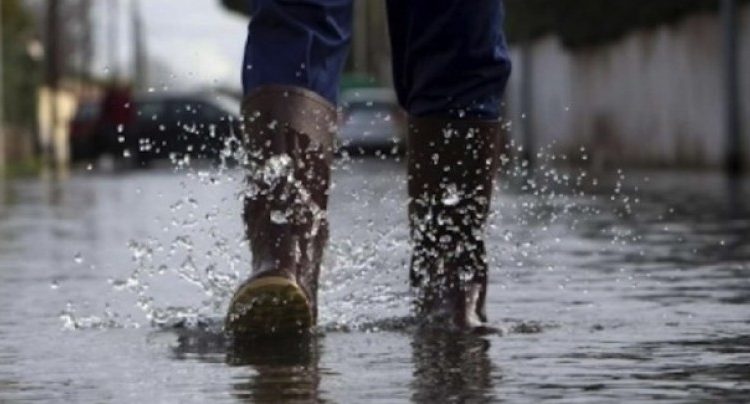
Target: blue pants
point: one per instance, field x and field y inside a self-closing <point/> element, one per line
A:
<point x="450" y="58"/>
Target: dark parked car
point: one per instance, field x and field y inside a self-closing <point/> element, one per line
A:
<point x="372" y="122"/>
<point x="171" y="125"/>
<point x="159" y="126"/>
<point x="83" y="129"/>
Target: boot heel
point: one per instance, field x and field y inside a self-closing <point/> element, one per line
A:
<point x="269" y="306"/>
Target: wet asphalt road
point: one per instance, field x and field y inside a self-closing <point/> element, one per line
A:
<point x="609" y="288"/>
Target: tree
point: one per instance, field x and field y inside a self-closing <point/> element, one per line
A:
<point x="20" y="72"/>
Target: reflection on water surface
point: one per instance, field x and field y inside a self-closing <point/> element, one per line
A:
<point x="632" y="289"/>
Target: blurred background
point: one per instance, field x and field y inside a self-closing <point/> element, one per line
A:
<point x="637" y="83"/>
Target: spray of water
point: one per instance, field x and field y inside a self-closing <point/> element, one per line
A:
<point x="364" y="282"/>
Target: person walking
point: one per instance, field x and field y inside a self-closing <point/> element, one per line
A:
<point x="450" y="69"/>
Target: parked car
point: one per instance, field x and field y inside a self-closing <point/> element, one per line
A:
<point x="83" y="128"/>
<point x="171" y="125"/>
<point x="372" y="123"/>
<point x="159" y="126"/>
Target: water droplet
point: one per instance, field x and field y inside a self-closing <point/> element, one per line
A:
<point x="451" y="197"/>
<point x="278" y="217"/>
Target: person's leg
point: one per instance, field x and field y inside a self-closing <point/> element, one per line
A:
<point x="294" y="56"/>
<point x="300" y="43"/>
<point x="450" y="68"/>
<point x="449" y="57"/>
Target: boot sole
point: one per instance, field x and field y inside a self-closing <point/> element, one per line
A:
<point x="267" y="307"/>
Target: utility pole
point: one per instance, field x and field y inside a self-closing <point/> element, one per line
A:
<point x="734" y="163"/>
<point x="87" y="40"/>
<point x="112" y="38"/>
<point x="52" y="74"/>
<point x="140" y="64"/>
<point x="2" y="99"/>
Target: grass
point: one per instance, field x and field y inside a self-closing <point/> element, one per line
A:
<point x="23" y="168"/>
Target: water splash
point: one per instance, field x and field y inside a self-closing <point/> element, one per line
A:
<point x="364" y="277"/>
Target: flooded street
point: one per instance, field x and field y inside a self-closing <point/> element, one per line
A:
<point x="615" y="288"/>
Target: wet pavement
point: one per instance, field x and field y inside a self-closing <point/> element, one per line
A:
<point x="608" y="288"/>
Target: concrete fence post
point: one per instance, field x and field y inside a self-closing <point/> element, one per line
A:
<point x="734" y="155"/>
<point x="2" y="101"/>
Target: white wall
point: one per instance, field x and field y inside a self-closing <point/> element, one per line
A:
<point x="654" y="97"/>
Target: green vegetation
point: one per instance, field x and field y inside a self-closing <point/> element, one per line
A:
<point x="20" y="73"/>
<point x="23" y="168"/>
<point x="593" y="22"/>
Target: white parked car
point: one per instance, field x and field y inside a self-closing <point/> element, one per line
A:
<point x="372" y="122"/>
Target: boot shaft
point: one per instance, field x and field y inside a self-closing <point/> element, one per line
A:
<point x="451" y="168"/>
<point x="288" y="138"/>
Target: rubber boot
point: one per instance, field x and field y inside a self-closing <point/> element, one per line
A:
<point x="288" y="137"/>
<point x="451" y="168"/>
